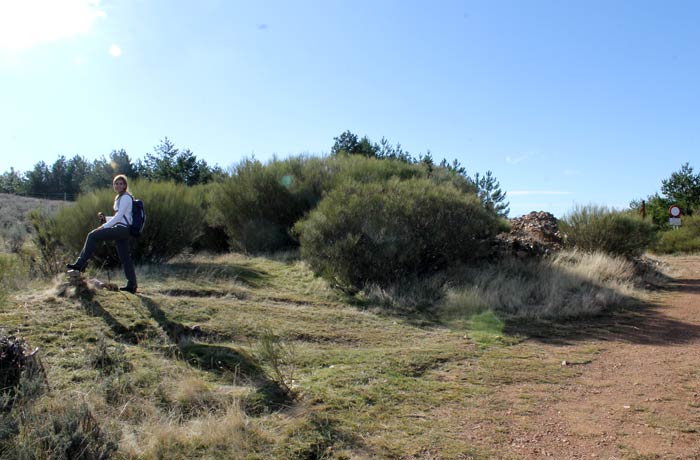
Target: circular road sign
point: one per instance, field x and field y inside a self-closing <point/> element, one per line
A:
<point x="674" y="211"/>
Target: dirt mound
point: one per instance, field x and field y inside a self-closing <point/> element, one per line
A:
<point x="533" y="235"/>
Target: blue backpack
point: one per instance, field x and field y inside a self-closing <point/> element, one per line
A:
<point x="138" y="217"/>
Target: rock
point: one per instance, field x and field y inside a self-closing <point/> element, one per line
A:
<point x="97" y="284"/>
<point x="533" y="235"/>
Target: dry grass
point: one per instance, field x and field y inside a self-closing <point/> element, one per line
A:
<point x="571" y="284"/>
<point x="13" y="217"/>
<point x="223" y="435"/>
<point x="190" y="381"/>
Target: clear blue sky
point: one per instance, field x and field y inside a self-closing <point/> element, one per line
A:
<point x="565" y="101"/>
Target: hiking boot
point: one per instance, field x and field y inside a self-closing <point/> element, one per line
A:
<point x="75" y="267"/>
<point x="128" y="289"/>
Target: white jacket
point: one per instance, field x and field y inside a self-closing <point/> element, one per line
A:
<point x="122" y="209"/>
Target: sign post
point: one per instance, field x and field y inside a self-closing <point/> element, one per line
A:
<point x="674" y="213"/>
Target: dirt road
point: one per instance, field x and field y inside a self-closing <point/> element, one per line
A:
<point x="637" y="397"/>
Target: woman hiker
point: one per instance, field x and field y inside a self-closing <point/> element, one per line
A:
<point x="114" y="228"/>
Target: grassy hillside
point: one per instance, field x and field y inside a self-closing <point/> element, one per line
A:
<point x="198" y="366"/>
<point x="13" y="215"/>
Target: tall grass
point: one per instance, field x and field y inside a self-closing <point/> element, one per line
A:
<point x="62" y="430"/>
<point x="571" y="284"/>
<point x="215" y="436"/>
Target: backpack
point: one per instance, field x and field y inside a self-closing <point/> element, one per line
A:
<point x="138" y="217"/>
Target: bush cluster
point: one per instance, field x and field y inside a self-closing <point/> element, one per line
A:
<point x="597" y="228"/>
<point x="174" y="219"/>
<point x="684" y="239"/>
<point x="381" y="232"/>
<point x="260" y="203"/>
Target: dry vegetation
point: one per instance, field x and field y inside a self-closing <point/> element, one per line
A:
<point x="239" y="357"/>
<point x="13" y="217"/>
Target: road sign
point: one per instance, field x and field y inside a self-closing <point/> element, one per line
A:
<point x="674" y="213"/>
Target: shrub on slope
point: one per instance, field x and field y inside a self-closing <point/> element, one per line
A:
<point x="380" y="233"/>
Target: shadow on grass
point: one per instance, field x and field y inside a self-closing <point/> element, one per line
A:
<point x="131" y="335"/>
<point x="206" y="356"/>
<point x="203" y="270"/>
<point x="518" y="291"/>
<point x="269" y="395"/>
<point x="636" y="322"/>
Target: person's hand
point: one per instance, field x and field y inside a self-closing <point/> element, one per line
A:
<point x="101" y="217"/>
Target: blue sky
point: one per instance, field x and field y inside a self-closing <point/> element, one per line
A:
<point x="565" y="101"/>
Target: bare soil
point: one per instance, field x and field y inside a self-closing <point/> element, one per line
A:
<point x="636" y="396"/>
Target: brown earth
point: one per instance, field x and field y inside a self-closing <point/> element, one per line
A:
<point x="634" y="395"/>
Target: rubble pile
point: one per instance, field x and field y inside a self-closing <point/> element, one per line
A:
<point x="13" y="359"/>
<point x="532" y="235"/>
<point x="17" y="362"/>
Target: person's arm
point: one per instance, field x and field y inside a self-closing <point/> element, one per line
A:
<point x="123" y="210"/>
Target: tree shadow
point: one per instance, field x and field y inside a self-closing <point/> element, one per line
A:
<point x="522" y="288"/>
<point x="685" y="285"/>
<point x="269" y="395"/>
<point x="132" y="335"/>
<point x="203" y="355"/>
<point x="204" y="270"/>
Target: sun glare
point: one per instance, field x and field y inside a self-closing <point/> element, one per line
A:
<point x="25" y="23"/>
<point x="115" y="51"/>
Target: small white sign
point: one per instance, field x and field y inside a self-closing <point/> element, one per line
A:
<point x="675" y="221"/>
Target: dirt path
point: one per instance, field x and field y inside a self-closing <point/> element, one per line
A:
<point x="638" y="397"/>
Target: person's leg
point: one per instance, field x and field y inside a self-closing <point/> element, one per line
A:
<point x="95" y="236"/>
<point x="125" y="258"/>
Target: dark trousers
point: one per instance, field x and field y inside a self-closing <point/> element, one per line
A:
<point x="121" y="236"/>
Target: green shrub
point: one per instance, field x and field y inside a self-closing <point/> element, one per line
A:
<point x="13" y="273"/>
<point x="684" y="239"/>
<point x="597" y="228"/>
<point x="48" y="257"/>
<point x="14" y="237"/>
<point x="213" y="237"/>
<point x="278" y="356"/>
<point x="174" y="220"/>
<point x="258" y="205"/>
<point x="381" y="233"/>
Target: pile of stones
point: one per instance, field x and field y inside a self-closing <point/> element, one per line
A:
<point x="533" y="235"/>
